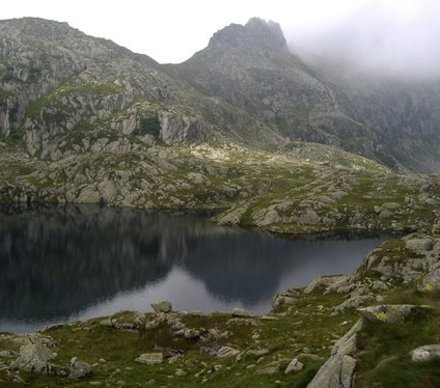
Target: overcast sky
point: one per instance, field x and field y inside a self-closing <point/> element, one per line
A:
<point x="381" y="31"/>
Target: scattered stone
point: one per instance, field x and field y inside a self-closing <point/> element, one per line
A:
<point x="227" y="351"/>
<point x="353" y="302"/>
<point x="242" y="322"/>
<point x="78" y="369"/>
<point x="162" y="307"/>
<point x="216" y="334"/>
<point x="240" y="313"/>
<point x="188" y="333"/>
<point x="425" y="353"/>
<point x="180" y="373"/>
<point x="281" y="300"/>
<point x="211" y="349"/>
<point x="294" y="366"/>
<point x="150" y="358"/>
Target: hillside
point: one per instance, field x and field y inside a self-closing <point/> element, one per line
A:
<point x="87" y="121"/>
<point x="392" y="120"/>
<point x="61" y="90"/>
<point x="251" y="67"/>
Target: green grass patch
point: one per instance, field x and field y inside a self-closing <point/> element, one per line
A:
<point x="383" y="358"/>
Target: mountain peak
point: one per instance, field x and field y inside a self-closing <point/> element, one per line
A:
<point x="257" y="35"/>
<point x="269" y="27"/>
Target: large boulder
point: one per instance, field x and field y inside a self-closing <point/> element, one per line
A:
<point x="390" y="313"/>
<point x="78" y="369"/>
<point x="35" y="354"/>
<point x="294" y="366"/>
<point x="425" y="353"/>
<point x="338" y="370"/>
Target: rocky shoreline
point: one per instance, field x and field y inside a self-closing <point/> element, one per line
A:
<point x="394" y="290"/>
<point x="281" y="193"/>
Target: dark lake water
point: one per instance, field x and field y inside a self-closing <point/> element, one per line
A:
<point x="61" y="265"/>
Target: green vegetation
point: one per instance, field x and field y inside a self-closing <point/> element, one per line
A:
<point x="263" y="343"/>
<point x="384" y="359"/>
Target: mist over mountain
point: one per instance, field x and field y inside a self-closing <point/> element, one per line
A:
<point x="324" y="95"/>
<point x="376" y="38"/>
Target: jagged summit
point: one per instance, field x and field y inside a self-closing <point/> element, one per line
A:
<point x="257" y="36"/>
<point x="270" y="28"/>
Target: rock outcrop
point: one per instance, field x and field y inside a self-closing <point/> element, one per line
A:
<point x="390" y="313"/>
<point x="338" y="370"/>
<point x="35" y="356"/>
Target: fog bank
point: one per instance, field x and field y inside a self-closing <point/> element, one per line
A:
<point x="380" y="37"/>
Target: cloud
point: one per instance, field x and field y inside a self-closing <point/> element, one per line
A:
<point x="383" y="37"/>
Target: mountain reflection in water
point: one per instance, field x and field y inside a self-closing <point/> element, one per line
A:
<point x="77" y="262"/>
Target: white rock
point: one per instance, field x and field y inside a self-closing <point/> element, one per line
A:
<point x="294" y="366"/>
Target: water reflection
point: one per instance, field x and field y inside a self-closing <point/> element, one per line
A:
<point x="83" y="261"/>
